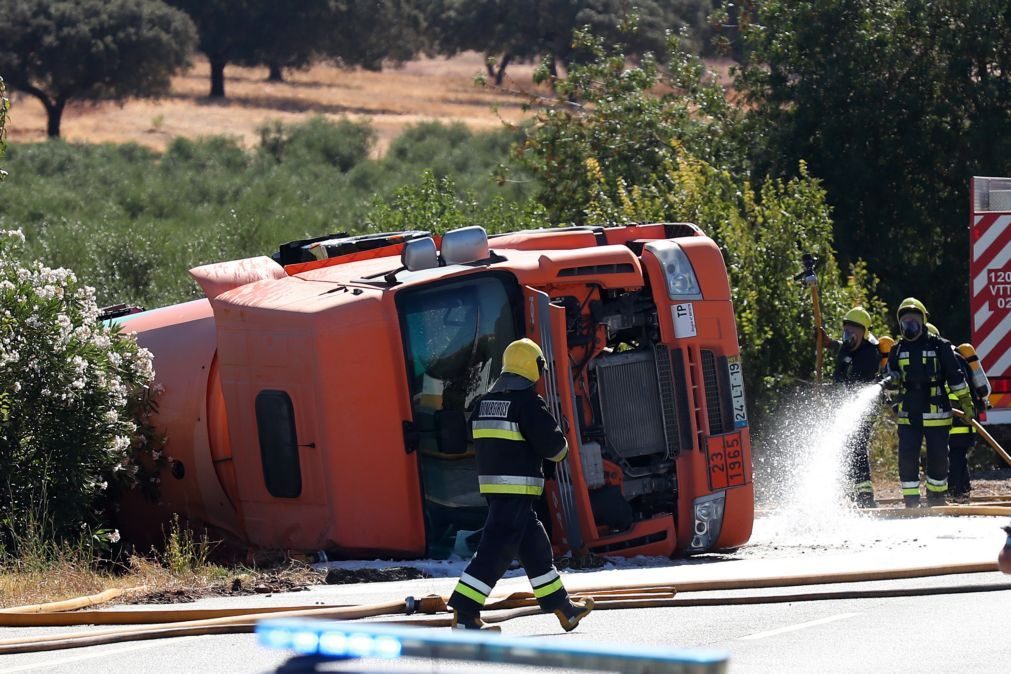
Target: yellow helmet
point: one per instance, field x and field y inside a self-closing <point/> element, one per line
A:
<point x="912" y="304"/>
<point x="525" y="358"/>
<point x="859" y="316"/>
<point x="932" y="329"/>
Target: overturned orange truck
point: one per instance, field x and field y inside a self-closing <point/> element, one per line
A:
<point x="318" y="400"/>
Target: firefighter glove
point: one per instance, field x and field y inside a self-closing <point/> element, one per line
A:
<point x="967" y="407"/>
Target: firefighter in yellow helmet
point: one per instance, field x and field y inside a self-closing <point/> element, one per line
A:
<point x="858" y="362"/>
<point x="513" y="434"/>
<point x="962" y="435"/>
<point x="922" y="365"/>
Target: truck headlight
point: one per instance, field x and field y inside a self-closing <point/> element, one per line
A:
<point x="682" y="283"/>
<point x="708" y="520"/>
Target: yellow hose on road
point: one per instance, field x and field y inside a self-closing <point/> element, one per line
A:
<point x="67" y="604"/>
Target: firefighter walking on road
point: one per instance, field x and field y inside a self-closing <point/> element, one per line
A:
<point x="922" y="365"/>
<point x="858" y="362"/>
<point x="513" y="434"/>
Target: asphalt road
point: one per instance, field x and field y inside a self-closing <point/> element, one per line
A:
<point x="944" y="632"/>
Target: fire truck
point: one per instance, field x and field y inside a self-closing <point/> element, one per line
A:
<point x="990" y="288"/>
<point x="318" y="399"/>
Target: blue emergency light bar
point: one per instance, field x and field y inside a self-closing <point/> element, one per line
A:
<point x="343" y="640"/>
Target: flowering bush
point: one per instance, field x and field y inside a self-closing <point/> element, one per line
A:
<point x="72" y="391"/>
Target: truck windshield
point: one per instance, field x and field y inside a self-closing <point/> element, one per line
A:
<point x="454" y="335"/>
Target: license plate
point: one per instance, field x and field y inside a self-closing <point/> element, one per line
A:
<point x="737" y="392"/>
<point x="726" y="462"/>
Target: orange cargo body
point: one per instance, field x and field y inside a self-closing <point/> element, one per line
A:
<point x="322" y="404"/>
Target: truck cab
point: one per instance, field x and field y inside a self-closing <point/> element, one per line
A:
<point x="320" y="400"/>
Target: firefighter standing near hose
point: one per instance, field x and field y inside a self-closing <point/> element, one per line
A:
<point x="858" y="362"/>
<point x="513" y="434"/>
<point x="921" y="365"/>
<point x="962" y="435"/>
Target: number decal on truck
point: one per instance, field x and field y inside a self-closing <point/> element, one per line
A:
<point x="726" y="462"/>
<point x="737" y="392"/>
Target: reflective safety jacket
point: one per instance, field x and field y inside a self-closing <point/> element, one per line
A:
<point x="961" y="425"/>
<point x="513" y="434"/>
<point x="860" y="365"/>
<point x="925" y="367"/>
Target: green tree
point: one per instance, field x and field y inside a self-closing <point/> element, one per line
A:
<point x="293" y="34"/>
<point x="609" y="109"/>
<point x="59" y="51"/>
<point x="626" y="153"/>
<point x="507" y="31"/>
<point x="894" y="104"/>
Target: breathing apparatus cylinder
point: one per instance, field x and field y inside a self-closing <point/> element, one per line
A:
<point x="979" y="380"/>
<point x="885" y="345"/>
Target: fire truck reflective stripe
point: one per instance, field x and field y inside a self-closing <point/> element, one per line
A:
<point x="1003" y="363"/>
<point x="992" y="233"/>
<point x="544" y="579"/>
<point x="910" y="485"/>
<point x="981" y="316"/>
<point x="911" y="491"/>
<point x="473" y="582"/>
<point x="548" y="589"/>
<point x="497" y="434"/>
<point x="470" y="593"/>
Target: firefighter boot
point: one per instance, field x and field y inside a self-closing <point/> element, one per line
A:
<point x="865" y="499"/>
<point x="936" y="498"/>
<point x="911" y="501"/>
<point x="577" y="609"/>
<point x="466" y="621"/>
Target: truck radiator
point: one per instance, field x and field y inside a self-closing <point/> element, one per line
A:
<point x="636" y="410"/>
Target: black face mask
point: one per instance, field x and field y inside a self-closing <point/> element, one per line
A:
<point x="849" y="338"/>
<point x="910" y="328"/>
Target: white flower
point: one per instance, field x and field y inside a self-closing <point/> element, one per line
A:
<point x="114" y="536"/>
<point x="15" y="234"/>
<point x="17" y="386"/>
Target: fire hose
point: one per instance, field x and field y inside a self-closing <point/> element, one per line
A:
<point x="646" y="595"/>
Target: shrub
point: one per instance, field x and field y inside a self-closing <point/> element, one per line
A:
<point x="69" y="383"/>
<point x="318" y="141"/>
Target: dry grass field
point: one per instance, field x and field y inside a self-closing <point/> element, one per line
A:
<point x="427" y="89"/>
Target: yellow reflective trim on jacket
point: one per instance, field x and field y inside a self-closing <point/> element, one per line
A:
<point x="511" y="484"/>
<point x="958" y="428"/>
<point x="510" y="489"/>
<point x="498" y="434"/>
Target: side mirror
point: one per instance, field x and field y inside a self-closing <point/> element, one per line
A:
<point x="451" y="432"/>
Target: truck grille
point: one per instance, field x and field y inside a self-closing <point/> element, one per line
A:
<point x="710" y="379"/>
<point x="668" y="398"/>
